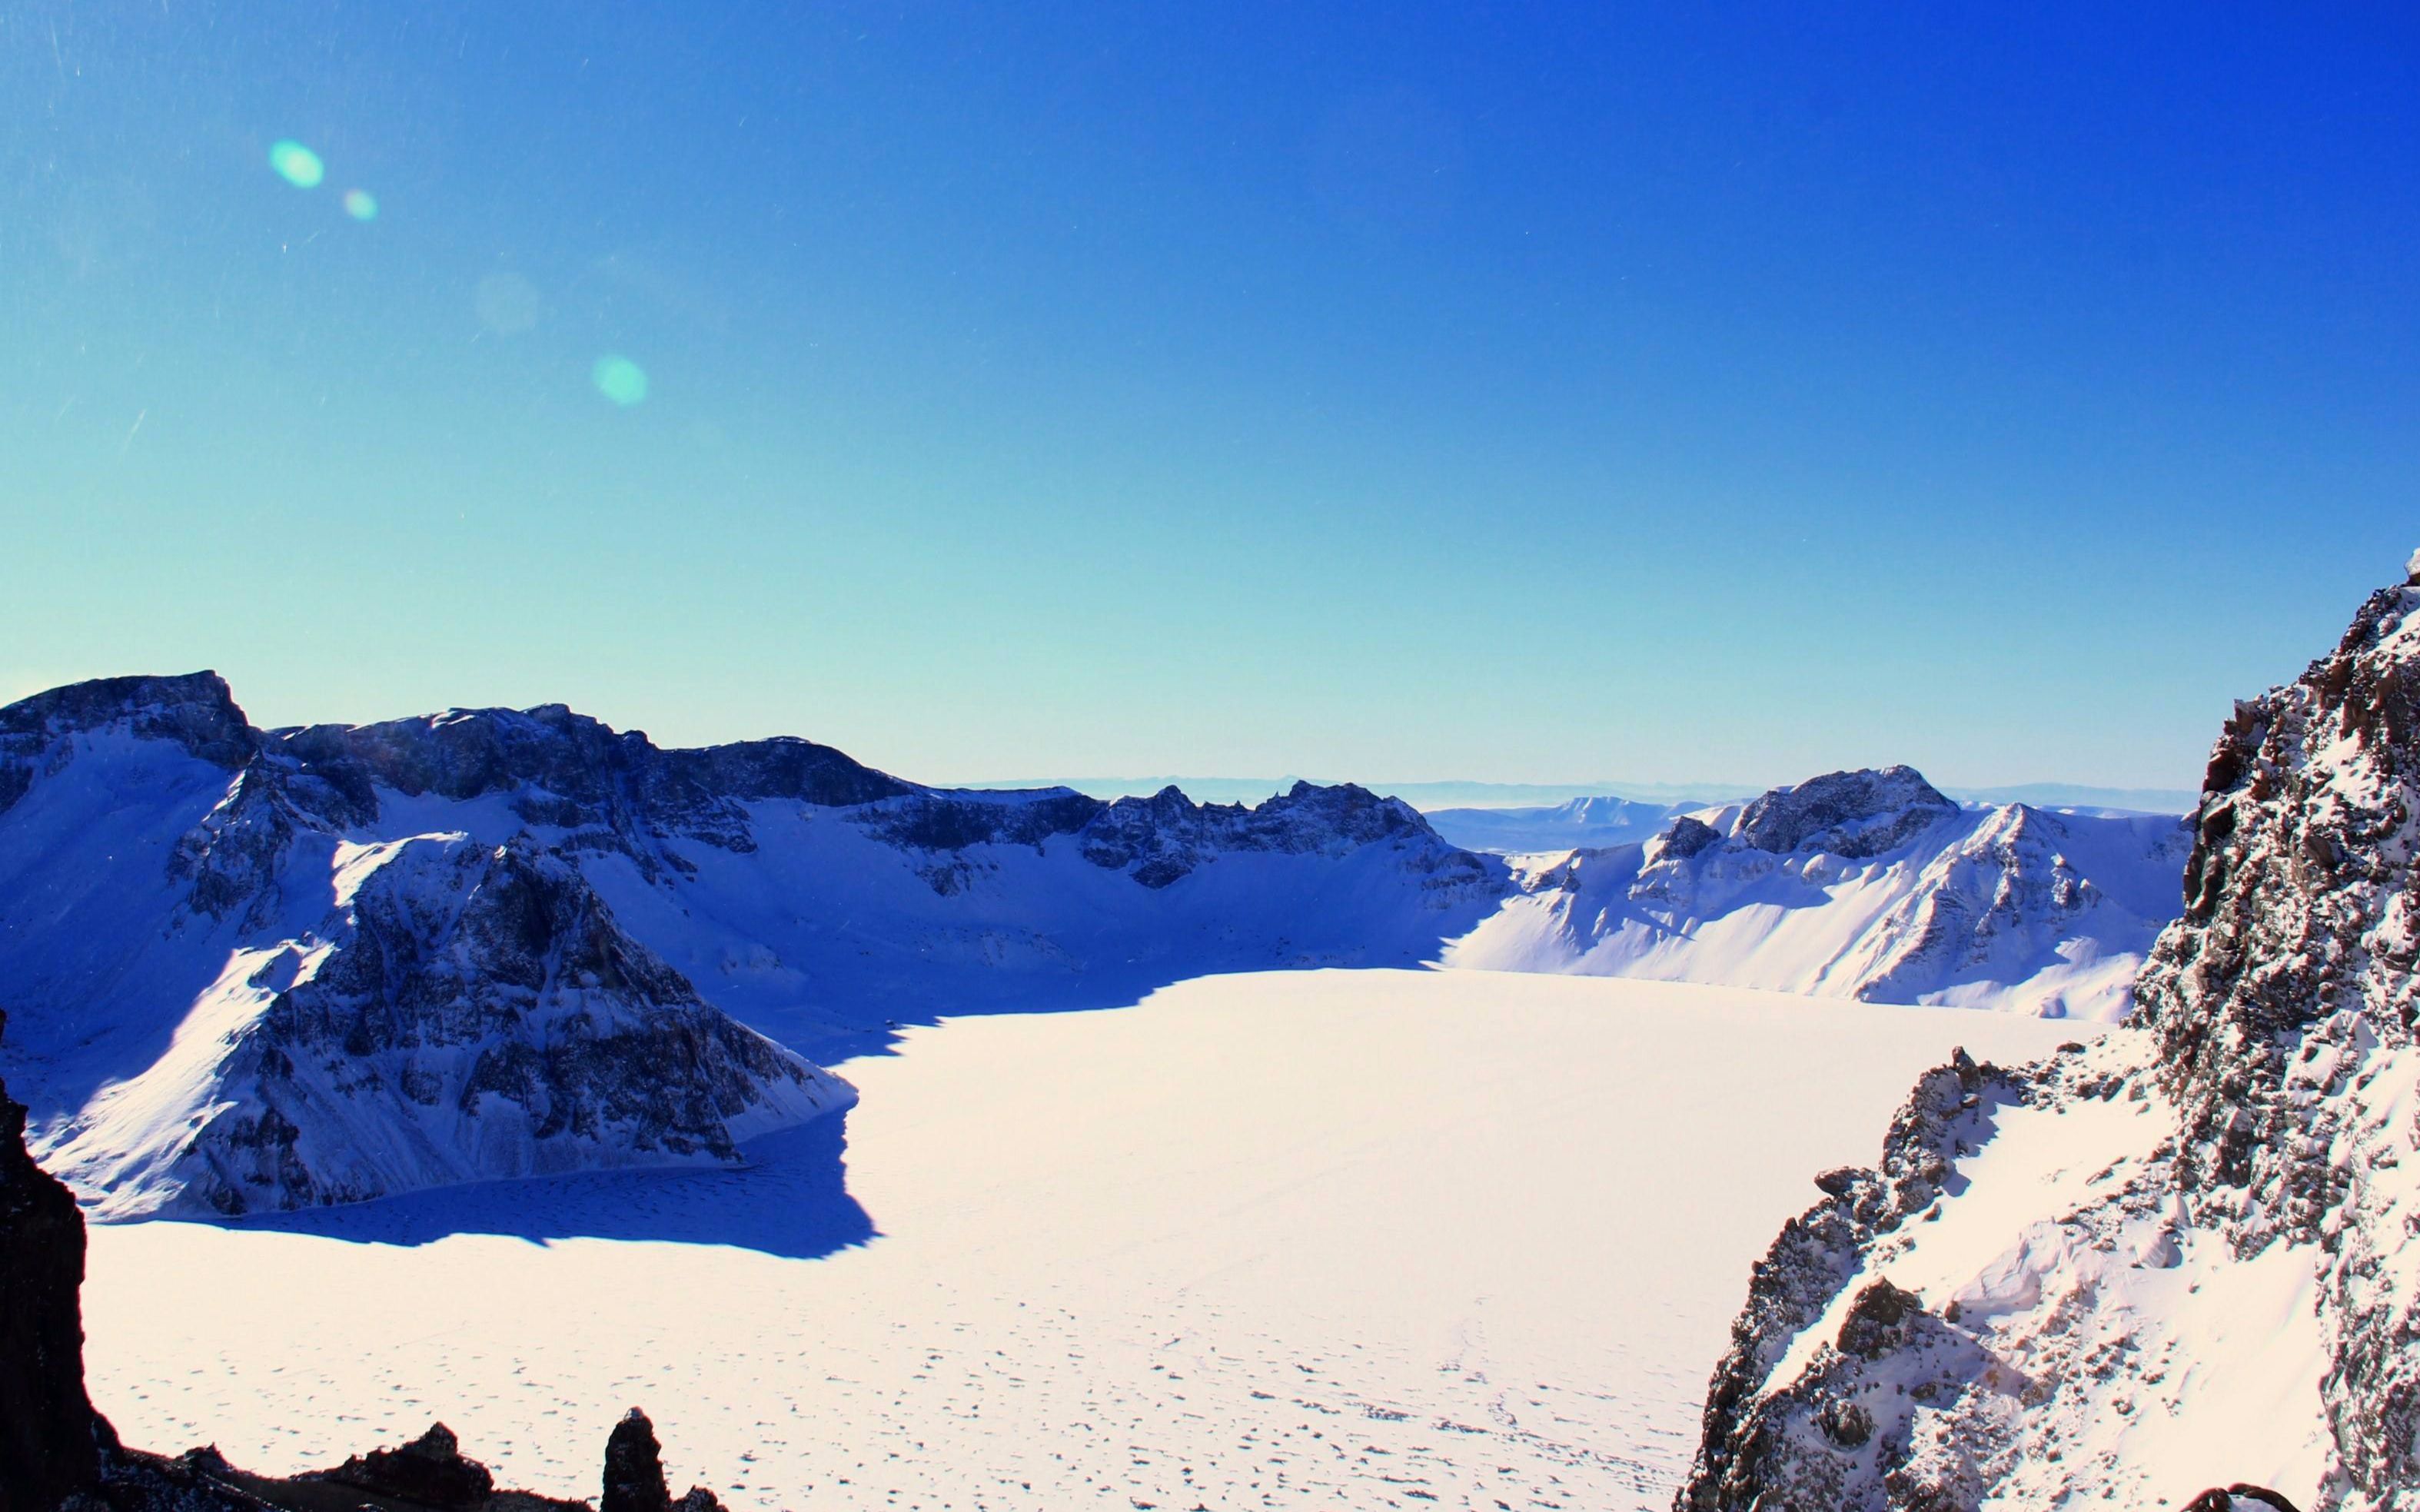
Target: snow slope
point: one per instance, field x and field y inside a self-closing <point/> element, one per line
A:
<point x="1368" y="1239"/>
<point x="1868" y="885"/>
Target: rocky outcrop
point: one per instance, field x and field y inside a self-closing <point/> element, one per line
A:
<point x="1750" y="1436"/>
<point x="431" y="1471"/>
<point x="634" y="1473"/>
<point x="1852" y="814"/>
<point x="2286" y="1003"/>
<point x="2252" y="1137"/>
<point x="1162" y="837"/>
<point x="50" y="1440"/>
<point x="471" y="1012"/>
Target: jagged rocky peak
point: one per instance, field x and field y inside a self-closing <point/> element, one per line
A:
<point x="1853" y="814"/>
<point x="2249" y="1138"/>
<point x="567" y="770"/>
<point x="2301" y="930"/>
<point x="1162" y="837"/>
<point x="473" y="1012"/>
<point x="196" y="711"/>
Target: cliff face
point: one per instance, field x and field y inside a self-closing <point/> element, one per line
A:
<point x="50" y="1440"/>
<point x="2177" y="1258"/>
<point x="2285" y="1007"/>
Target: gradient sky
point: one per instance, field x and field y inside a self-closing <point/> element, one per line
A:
<point x="1529" y="393"/>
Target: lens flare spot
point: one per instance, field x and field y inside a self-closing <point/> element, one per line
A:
<point x="361" y="204"/>
<point x="620" y="380"/>
<point x="297" y="165"/>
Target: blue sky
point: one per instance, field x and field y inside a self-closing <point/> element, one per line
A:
<point x="1535" y="394"/>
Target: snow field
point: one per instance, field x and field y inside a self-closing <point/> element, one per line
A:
<point x="1341" y="1238"/>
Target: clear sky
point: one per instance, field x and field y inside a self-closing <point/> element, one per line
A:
<point x="1680" y="391"/>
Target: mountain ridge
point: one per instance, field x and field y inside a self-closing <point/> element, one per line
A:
<point x="2181" y="1256"/>
<point x="191" y="907"/>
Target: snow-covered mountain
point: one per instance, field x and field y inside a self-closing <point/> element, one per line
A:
<point x="294" y="966"/>
<point x="1591" y="823"/>
<point x="2182" y="1257"/>
<point x="1868" y="885"/>
<point x="271" y="968"/>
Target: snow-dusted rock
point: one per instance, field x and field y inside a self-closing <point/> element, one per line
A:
<point x="287" y="967"/>
<point x="1867" y="885"/>
<point x="464" y="1011"/>
<point x="2181" y="1257"/>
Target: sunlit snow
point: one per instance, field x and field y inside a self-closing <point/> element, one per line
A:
<point x="1377" y="1238"/>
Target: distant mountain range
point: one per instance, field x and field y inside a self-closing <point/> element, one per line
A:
<point x="1430" y="798"/>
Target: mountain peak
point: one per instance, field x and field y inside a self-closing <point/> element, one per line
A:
<point x="1853" y="814"/>
<point x="197" y="710"/>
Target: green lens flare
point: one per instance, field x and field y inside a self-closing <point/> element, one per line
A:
<point x="620" y="380"/>
<point x="297" y="165"/>
<point x="361" y="204"/>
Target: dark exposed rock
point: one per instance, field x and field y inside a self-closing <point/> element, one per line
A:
<point x="1877" y="1321"/>
<point x="195" y="710"/>
<point x="1813" y="1258"/>
<point x="431" y="1471"/>
<point x="50" y="1440"/>
<point x="1165" y="836"/>
<point x="503" y="976"/>
<point x="2240" y="1497"/>
<point x="635" y="1468"/>
<point x="1688" y="837"/>
<point x="1852" y="814"/>
<point x="634" y="1473"/>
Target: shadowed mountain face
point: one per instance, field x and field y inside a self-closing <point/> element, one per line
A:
<point x="2176" y="1257"/>
<point x="261" y="970"/>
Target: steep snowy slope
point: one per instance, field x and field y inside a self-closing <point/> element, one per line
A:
<point x="226" y="1004"/>
<point x="280" y="968"/>
<point x="1591" y="823"/>
<point x="2184" y="1256"/>
<point x="1868" y="885"/>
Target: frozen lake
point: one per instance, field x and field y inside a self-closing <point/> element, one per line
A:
<point x="1349" y="1238"/>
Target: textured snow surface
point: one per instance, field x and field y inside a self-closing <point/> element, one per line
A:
<point x="1367" y="1239"/>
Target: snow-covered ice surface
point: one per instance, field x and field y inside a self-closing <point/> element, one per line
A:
<point x="1358" y="1239"/>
